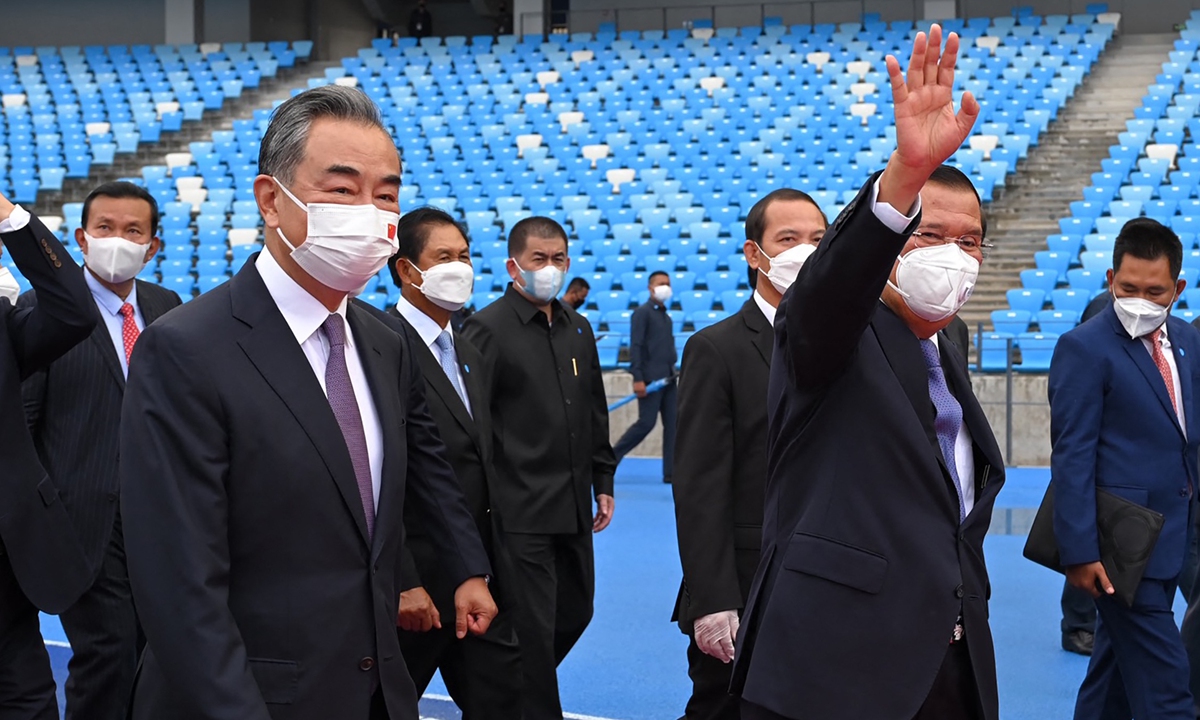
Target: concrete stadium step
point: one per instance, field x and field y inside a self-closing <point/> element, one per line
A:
<point x="1057" y="170"/>
<point x="130" y="164"/>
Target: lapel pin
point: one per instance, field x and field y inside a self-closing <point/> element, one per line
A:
<point x="579" y="330"/>
<point x="466" y="368"/>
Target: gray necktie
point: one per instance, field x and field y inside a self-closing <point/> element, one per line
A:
<point x="449" y="361"/>
<point x="949" y="417"/>
<point x="345" y="408"/>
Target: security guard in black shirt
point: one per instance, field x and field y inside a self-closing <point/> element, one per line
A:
<point x="652" y="357"/>
<point x="550" y="421"/>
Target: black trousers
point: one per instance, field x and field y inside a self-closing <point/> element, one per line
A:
<point x="554" y="584"/>
<point x="26" y="682"/>
<point x="483" y="674"/>
<point x="103" y="629"/>
<point x="952" y="697"/>
<point x="649" y="408"/>
<point x="710" y="698"/>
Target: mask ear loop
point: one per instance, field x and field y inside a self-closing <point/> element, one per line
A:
<point x="296" y="200"/>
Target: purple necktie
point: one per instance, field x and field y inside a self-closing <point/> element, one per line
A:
<point x="949" y="417"/>
<point x="345" y="408"/>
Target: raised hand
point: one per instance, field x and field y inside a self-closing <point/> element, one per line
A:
<point x="928" y="131"/>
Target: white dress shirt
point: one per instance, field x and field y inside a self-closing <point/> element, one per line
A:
<point x="1165" y="343"/>
<point x="767" y="309"/>
<point x="964" y="447"/>
<point x="17" y="219"/>
<point x="109" y="304"/>
<point x="304" y="314"/>
<point x="429" y="331"/>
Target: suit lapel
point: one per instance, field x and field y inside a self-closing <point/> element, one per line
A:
<point x="903" y="352"/>
<point x="272" y="348"/>
<point x="435" y="378"/>
<point x="1184" y="364"/>
<point x="148" y="303"/>
<point x="763" y="333"/>
<point x="383" y="378"/>
<point x="108" y="351"/>
<point x="1141" y="357"/>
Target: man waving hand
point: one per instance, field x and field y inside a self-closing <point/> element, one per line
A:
<point x="870" y="599"/>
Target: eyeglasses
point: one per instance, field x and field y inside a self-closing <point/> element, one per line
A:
<point x="969" y="243"/>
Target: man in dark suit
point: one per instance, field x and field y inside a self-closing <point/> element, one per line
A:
<point x="1122" y="419"/>
<point x="870" y="600"/>
<point x="652" y="357"/>
<point x="433" y="270"/>
<point x="552" y="452"/>
<point x="721" y="452"/>
<point x="271" y="438"/>
<point x="43" y="565"/>
<point x="74" y="412"/>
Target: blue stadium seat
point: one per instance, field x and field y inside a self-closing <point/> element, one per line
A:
<point x="1011" y="321"/>
<point x="606" y="302"/>
<point x="1057" y="322"/>
<point x="996" y="351"/>
<point x="1036" y="351"/>
<point x="1028" y="300"/>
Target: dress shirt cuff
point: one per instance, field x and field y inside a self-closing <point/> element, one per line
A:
<point x="895" y="220"/>
<point x="17" y="220"/>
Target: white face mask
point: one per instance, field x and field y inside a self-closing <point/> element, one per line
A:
<point x="542" y="284"/>
<point x="786" y="265"/>
<point x="8" y="286"/>
<point x="1139" y="316"/>
<point x="346" y="244"/>
<point x="114" y="259"/>
<point x="662" y="294"/>
<point x="447" y="285"/>
<point x="936" y="281"/>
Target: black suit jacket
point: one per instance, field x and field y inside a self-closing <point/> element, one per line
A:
<point x="260" y="593"/>
<point x="40" y="543"/>
<point x="721" y="462"/>
<point x="865" y="564"/>
<point x="74" y="412"/>
<point x="549" y="413"/>
<point x="958" y="333"/>
<point x="468" y="439"/>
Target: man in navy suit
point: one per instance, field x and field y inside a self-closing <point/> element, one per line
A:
<point x="1122" y="419"/>
<point x="870" y="599"/>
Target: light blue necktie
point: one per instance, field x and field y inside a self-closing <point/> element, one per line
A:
<point x="449" y="361"/>
<point x="949" y="417"/>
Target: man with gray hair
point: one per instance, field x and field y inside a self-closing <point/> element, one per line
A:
<point x="270" y="437"/>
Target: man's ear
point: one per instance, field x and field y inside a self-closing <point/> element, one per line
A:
<point x="81" y="240"/>
<point x="154" y="246"/>
<point x="266" y="194"/>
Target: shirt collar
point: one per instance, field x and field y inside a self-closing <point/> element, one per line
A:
<point x="526" y="310"/>
<point x="765" y="307"/>
<point x="422" y="323"/>
<point x="107" y="299"/>
<point x="303" y="313"/>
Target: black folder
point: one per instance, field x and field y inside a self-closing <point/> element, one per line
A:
<point x="1128" y="533"/>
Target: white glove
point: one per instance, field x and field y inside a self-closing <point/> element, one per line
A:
<point x="716" y="633"/>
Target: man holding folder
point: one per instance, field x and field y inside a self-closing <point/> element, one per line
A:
<point x="1122" y="421"/>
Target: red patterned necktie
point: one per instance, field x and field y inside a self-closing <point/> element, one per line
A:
<point x="129" y="330"/>
<point x="1160" y="359"/>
